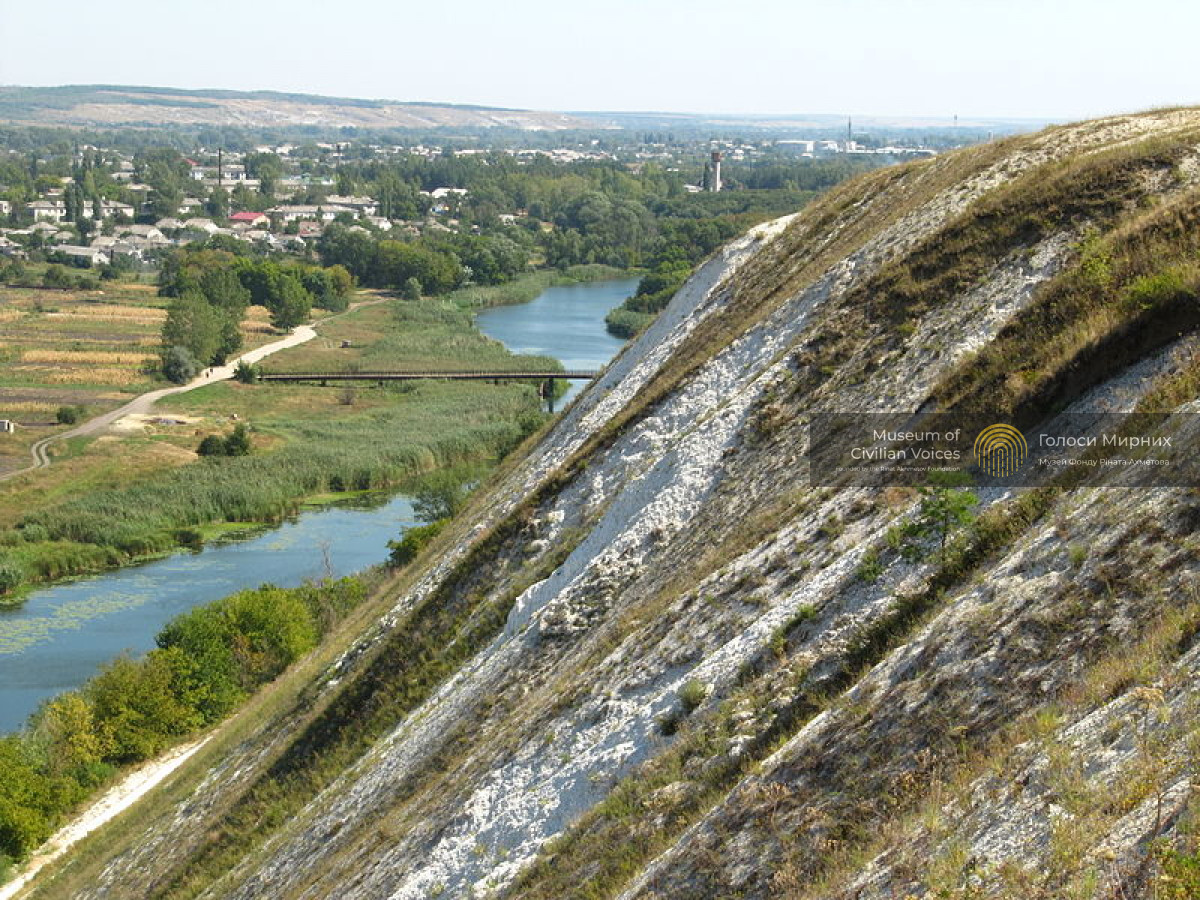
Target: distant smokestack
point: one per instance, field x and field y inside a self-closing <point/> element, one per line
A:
<point x="714" y="178"/>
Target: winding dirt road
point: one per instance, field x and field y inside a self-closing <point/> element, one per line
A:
<point x="142" y="403"/>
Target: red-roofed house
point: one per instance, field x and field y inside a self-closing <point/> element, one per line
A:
<point x="253" y="219"/>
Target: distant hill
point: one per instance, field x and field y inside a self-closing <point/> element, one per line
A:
<point x="100" y="105"/>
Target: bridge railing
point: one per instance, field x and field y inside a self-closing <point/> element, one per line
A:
<point x="481" y="374"/>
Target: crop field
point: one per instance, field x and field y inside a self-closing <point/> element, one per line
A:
<point x="91" y="349"/>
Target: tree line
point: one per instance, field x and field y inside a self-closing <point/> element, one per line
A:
<point x="211" y="289"/>
<point x="206" y="662"/>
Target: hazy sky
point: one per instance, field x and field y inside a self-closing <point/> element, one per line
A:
<point x="1021" y="58"/>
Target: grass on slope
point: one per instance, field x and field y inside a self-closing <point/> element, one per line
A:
<point x="1130" y="291"/>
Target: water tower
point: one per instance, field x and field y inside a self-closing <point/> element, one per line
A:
<point x="714" y="178"/>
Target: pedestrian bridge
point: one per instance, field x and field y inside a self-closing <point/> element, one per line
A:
<point x="453" y="375"/>
<point x="545" y="379"/>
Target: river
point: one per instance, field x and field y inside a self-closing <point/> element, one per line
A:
<point x="64" y="633"/>
<point x="565" y="322"/>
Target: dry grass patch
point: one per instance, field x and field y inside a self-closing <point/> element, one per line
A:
<point x="75" y="357"/>
<point x="92" y="376"/>
<point x="137" y="314"/>
<point x="7" y="409"/>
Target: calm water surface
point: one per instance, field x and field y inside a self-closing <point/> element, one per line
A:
<point x="564" y="322"/>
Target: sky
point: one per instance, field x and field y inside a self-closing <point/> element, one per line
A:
<point x="1051" y="59"/>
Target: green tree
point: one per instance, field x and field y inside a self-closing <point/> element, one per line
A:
<point x="30" y="800"/>
<point x="341" y="281"/>
<point x="75" y="742"/>
<point x="290" y="304"/>
<point x="193" y="323"/>
<point x="944" y="506"/>
<point x="218" y="204"/>
<point x="441" y="494"/>
<point x="411" y="289"/>
<point x="138" y="703"/>
<point x="56" y="276"/>
<point x="406" y="549"/>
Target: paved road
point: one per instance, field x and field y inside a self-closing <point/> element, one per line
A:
<point x="142" y="404"/>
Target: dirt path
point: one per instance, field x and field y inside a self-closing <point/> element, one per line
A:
<point x="142" y="404"/>
<point x="113" y="802"/>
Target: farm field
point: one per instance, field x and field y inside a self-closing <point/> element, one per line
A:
<point x="89" y="349"/>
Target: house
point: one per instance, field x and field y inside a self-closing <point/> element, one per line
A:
<point x="91" y="256"/>
<point x="7" y="426"/>
<point x="383" y="224"/>
<point x="168" y="224"/>
<point x="253" y="219"/>
<point x="310" y="229"/>
<point x="5" y="207"/>
<point x="112" y="209"/>
<point x="133" y="249"/>
<point x="364" y="206"/>
<point x="208" y="226"/>
<point x="294" y="213"/>
<point x="190" y="205"/>
<point x="56" y="210"/>
<point x="47" y="210"/>
<point x="149" y="233"/>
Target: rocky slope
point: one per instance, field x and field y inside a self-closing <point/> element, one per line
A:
<point x="654" y="661"/>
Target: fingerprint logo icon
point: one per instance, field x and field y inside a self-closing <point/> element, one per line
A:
<point x="1000" y="450"/>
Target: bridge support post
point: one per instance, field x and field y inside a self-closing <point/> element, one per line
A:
<point x="548" y="388"/>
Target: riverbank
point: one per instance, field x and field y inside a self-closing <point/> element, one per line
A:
<point x="206" y="664"/>
<point x="529" y="286"/>
<point x="125" y="497"/>
<point x="111" y="804"/>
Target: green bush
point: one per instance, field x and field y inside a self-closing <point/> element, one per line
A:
<point x="179" y="365"/>
<point x="68" y="415"/>
<point x="692" y="694"/>
<point x="212" y="445"/>
<point x="33" y="534"/>
<point x="238" y="442"/>
<point x="246" y="373"/>
<point x="411" y="543"/>
<point x="11" y="576"/>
